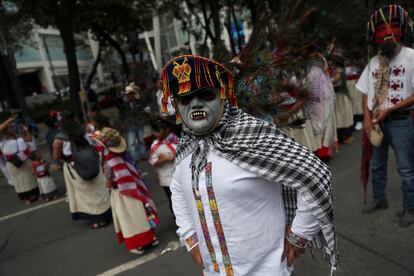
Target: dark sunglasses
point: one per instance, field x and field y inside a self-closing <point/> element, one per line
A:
<point x="206" y="95"/>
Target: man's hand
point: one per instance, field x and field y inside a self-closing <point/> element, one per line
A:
<point x="291" y="252"/>
<point x="381" y="115"/>
<point x="195" y="254"/>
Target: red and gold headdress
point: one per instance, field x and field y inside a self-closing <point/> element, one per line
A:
<point x="187" y="73"/>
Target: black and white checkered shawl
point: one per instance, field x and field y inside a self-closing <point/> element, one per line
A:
<point x="264" y="150"/>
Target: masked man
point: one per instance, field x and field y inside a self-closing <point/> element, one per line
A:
<point x="387" y="84"/>
<point x="247" y="198"/>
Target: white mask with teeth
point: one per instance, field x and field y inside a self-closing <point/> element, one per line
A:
<point x="201" y="110"/>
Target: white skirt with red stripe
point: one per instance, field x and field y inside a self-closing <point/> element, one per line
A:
<point x="130" y="221"/>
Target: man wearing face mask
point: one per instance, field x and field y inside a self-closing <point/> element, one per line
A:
<point x="387" y="84"/>
<point x="247" y="198"/>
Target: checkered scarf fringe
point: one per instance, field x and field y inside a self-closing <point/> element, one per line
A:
<point x="264" y="150"/>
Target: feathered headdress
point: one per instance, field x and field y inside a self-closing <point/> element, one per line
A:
<point x="387" y="15"/>
<point x="270" y="70"/>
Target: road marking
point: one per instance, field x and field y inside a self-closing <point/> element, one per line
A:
<point x="137" y="262"/>
<point x="32" y="209"/>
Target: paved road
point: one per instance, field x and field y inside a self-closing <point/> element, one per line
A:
<point x="47" y="242"/>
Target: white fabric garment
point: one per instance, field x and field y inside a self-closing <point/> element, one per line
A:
<point x="66" y="150"/>
<point x="251" y="212"/>
<point x="13" y="146"/>
<point x="401" y="78"/>
<point x="355" y="96"/>
<point x="5" y="171"/>
<point x="351" y="70"/>
<point x="22" y="177"/>
<point x="170" y="108"/>
<point x="164" y="171"/>
<point x="66" y="147"/>
<point x="344" y="116"/>
<point x="322" y="99"/>
<point x="303" y="135"/>
<point x="32" y="145"/>
<point x="128" y="215"/>
<point x="3" y="166"/>
<point x="46" y="185"/>
<point x="86" y="196"/>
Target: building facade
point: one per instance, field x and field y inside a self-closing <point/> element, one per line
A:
<point x="41" y="61"/>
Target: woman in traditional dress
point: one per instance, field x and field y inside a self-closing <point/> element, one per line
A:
<point x="16" y="152"/>
<point x="88" y="199"/>
<point x="344" y="117"/>
<point x="321" y="109"/>
<point x="133" y="210"/>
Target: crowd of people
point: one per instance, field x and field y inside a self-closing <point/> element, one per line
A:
<point x="227" y="161"/>
<point x="333" y="108"/>
<point x="100" y="167"/>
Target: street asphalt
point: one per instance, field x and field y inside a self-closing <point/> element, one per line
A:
<point x="47" y="242"/>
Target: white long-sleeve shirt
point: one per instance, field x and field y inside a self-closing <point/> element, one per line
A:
<point x="251" y="214"/>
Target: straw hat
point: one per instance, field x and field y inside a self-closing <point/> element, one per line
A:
<point x="111" y="139"/>
<point x="132" y="88"/>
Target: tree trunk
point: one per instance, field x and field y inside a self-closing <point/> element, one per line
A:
<point x="92" y="73"/>
<point x="102" y="34"/>
<point x="252" y="7"/>
<point x="63" y="14"/>
<point x="206" y="20"/>
<point x="66" y="33"/>
<point x="5" y="86"/>
<point x="215" y="15"/>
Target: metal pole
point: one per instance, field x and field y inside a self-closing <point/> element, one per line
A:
<point x="151" y="51"/>
<point x="52" y="68"/>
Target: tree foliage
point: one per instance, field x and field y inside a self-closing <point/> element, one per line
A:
<point x="15" y="27"/>
<point x="109" y="20"/>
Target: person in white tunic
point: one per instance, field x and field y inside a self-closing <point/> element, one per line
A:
<point x="47" y="185"/>
<point x="243" y="193"/>
<point x="16" y="153"/>
<point x="162" y="153"/>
